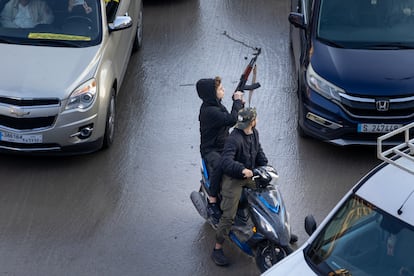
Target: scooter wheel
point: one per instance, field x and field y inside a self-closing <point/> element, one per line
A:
<point x="199" y="203"/>
<point x="267" y="255"/>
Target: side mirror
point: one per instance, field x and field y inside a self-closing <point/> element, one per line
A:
<point x="310" y="224"/>
<point x="297" y="20"/>
<point x="120" y="23"/>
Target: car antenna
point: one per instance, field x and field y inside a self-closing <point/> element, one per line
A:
<point x="400" y="211"/>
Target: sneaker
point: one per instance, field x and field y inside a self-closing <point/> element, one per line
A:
<point x="214" y="211"/>
<point x="219" y="258"/>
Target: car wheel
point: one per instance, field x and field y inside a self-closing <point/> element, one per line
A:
<point x="299" y="129"/>
<point x="110" y="122"/>
<point x="138" y="35"/>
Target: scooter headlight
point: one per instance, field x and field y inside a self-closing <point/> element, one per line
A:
<point x="265" y="226"/>
<point x="322" y="86"/>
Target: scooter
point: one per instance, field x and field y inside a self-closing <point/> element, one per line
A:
<point x="261" y="228"/>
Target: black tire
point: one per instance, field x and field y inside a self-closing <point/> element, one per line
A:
<point x="110" y="121"/>
<point x="139" y="33"/>
<point x="267" y="255"/>
<point x="300" y="131"/>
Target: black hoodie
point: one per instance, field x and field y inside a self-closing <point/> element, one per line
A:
<point x="215" y="120"/>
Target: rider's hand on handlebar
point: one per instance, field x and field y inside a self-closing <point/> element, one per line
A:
<point x="247" y="173"/>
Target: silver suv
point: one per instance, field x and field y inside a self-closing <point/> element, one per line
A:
<point x="371" y="230"/>
<point x="62" y="71"/>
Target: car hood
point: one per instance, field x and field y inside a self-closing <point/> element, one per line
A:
<point x="43" y="72"/>
<point x="294" y="264"/>
<point x="365" y="72"/>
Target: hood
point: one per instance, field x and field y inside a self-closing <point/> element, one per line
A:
<point x="206" y="90"/>
<point x="364" y="71"/>
<point x="294" y="264"/>
<point x="44" y="72"/>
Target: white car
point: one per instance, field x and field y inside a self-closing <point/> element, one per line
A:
<point x="61" y="75"/>
<point x="371" y="230"/>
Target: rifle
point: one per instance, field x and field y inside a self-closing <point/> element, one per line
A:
<point x="245" y="76"/>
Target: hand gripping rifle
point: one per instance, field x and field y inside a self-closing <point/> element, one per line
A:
<point x="245" y="76"/>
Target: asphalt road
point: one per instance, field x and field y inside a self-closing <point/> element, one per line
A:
<point x="126" y="210"/>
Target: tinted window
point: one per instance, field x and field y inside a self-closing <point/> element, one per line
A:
<point x="366" y="23"/>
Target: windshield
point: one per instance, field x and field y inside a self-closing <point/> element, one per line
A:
<point x="362" y="240"/>
<point x="73" y="23"/>
<point x="367" y="23"/>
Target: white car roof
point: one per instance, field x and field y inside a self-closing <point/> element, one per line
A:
<point x="390" y="186"/>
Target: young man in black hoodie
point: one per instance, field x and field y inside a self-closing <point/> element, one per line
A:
<point x="241" y="154"/>
<point x="215" y="122"/>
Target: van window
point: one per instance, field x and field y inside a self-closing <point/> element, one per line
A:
<point x="111" y="9"/>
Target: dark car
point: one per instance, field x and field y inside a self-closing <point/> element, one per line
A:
<point x="354" y="63"/>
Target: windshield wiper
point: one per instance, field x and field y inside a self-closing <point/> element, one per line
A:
<point x="387" y="45"/>
<point x="331" y="42"/>
<point x="59" y="43"/>
<point x="5" y="40"/>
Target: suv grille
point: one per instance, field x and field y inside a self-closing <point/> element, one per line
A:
<point x="366" y="107"/>
<point x="26" y="123"/>
<point x="39" y="113"/>
<point x="28" y="102"/>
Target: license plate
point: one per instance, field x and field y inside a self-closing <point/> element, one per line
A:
<point x="21" y="138"/>
<point x="377" y="128"/>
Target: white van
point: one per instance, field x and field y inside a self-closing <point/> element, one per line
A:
<point x="371" y="230"/>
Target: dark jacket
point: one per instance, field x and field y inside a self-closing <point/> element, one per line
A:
<point x="242" y="151"/>
<point x="215" y="120"/>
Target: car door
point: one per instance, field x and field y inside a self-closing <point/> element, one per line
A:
<point x="121" y="41"/>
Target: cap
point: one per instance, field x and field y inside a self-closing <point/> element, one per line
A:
<point x="245" y="117"/>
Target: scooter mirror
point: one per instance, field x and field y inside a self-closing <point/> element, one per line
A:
<point x="310" y="224"/>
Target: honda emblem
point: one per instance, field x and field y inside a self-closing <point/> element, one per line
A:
<point x="382" y="105"/>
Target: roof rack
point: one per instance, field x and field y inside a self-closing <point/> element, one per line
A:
<point x="404" y="150"/>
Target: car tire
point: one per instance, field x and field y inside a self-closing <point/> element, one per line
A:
<point x="299" y="128"/>
<point x="139" y="33"/>
<point x="300" y="131"/>
<point x="110" y="121"/>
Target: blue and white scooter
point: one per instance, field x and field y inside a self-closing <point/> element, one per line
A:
<point x="261" y="228"/>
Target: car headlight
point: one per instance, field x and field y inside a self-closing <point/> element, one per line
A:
<point x="322" y="86"/>
<point x="83" y="96"/>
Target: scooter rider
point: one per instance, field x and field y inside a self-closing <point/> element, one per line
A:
<point x="215" y="122"/>
<point x="242" y="153"/>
